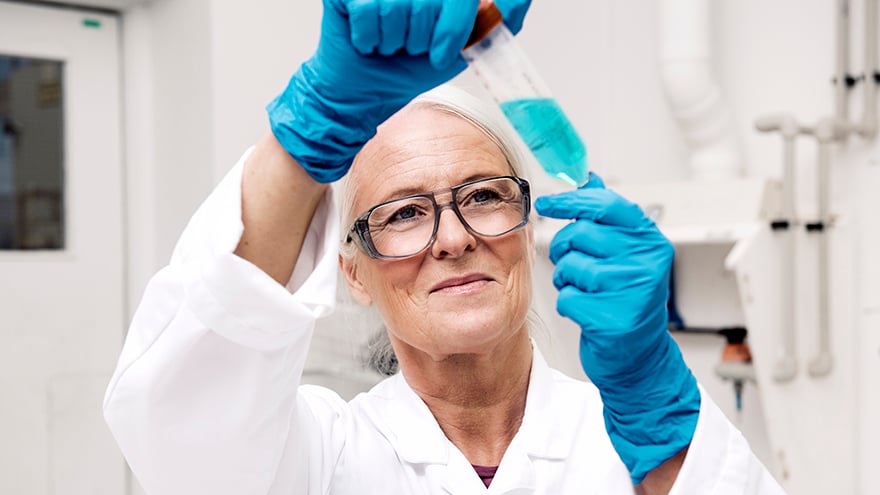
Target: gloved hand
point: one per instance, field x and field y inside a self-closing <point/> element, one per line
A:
<point x="373" y="57"/>
<point x="612" y="271"/>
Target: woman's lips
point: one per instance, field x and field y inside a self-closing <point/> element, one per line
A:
<point x="458" y="285"/>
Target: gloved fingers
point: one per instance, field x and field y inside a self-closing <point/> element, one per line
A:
<point x="581" y="306"/>
<point x="421" y="26"/>
<point x="393" y="17"/>
<point x="454" y="25"/>
<point x="364" y="22"/>
<point x="513" y="12"/>
<point x="613" y="315"/>
<point x="590" y="274"/>
<point x="606" y="241"/>
<point x="599" y="205"/>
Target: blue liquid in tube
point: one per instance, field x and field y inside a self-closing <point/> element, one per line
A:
<point x="548" y="133"/>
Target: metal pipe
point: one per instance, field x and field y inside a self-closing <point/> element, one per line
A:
<point x="841" y="70"/>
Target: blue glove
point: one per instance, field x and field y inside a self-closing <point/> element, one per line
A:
<point x="513" y="12"/>
<point x="373" y="57"/>
<point x="612" y="271"/>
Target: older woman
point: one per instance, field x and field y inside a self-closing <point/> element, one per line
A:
<point x="206" y="398"/>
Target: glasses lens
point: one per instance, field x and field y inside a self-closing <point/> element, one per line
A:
<point x="402" y="227"/>
<point x="492" y="207"/>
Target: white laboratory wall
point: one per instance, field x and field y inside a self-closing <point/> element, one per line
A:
<point x="197" y="75"/>
<point x="256" y="46"/>
<point x="199" y="72"/>
<point x="867" y="312"/>
<point x="169" y="147"/>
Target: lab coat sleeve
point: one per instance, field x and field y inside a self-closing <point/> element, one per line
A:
<point x="205" y="395"/>
<point x="719" y="460"/>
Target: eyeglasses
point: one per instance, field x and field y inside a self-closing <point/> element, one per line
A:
<point x="404" y="227"/>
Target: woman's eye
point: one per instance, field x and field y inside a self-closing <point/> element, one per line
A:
<point x="400" y="214"/>
<point x="482" y="196"/>
<point x="404" y="214"/>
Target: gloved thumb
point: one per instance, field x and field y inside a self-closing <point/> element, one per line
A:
<point x="513" y="12"/>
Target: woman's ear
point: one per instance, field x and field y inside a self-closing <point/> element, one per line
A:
<point x="355" y="286"/>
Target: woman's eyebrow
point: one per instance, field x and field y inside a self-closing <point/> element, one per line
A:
<point x="411" y="190"/>
<point x="402" y="193"/>
<point x="479" y="176"/>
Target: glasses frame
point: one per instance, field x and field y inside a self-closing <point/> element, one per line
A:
<point x="359" y="233"/>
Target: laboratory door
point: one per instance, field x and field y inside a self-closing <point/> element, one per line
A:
<point x="61" y="244"/>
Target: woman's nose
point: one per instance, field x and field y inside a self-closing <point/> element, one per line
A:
<point x="453" y="238"/>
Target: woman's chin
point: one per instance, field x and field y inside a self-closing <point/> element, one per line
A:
<point x="473" y="334"/>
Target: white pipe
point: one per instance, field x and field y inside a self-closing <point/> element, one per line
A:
<point x="694" y="96"/>
<point x="841" y="66"/>
<point x="828" y="132"/>
<point x="821" y="363"/>
<point x="868" y="128"/>
<point x="785" y="368"/>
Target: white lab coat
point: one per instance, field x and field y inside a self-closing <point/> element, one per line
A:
<point x="206" y="398"/>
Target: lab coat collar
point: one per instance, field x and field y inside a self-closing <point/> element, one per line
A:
<point x="414" y="432"/>
<point x="549" y="412"/>
<point x="418" y="438"/>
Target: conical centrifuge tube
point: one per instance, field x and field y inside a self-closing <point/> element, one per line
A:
<point x="503" y="68"/>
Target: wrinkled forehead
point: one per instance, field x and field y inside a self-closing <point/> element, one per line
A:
<point x="421" y="148"/>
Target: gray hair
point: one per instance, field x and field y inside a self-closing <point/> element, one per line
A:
<point x="487" y="117"/>
<point x="482" y="114"/>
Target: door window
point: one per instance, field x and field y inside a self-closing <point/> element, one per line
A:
<point x="31" y="153"/>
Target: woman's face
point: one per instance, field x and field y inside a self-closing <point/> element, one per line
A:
<point x="464" y="294"/>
